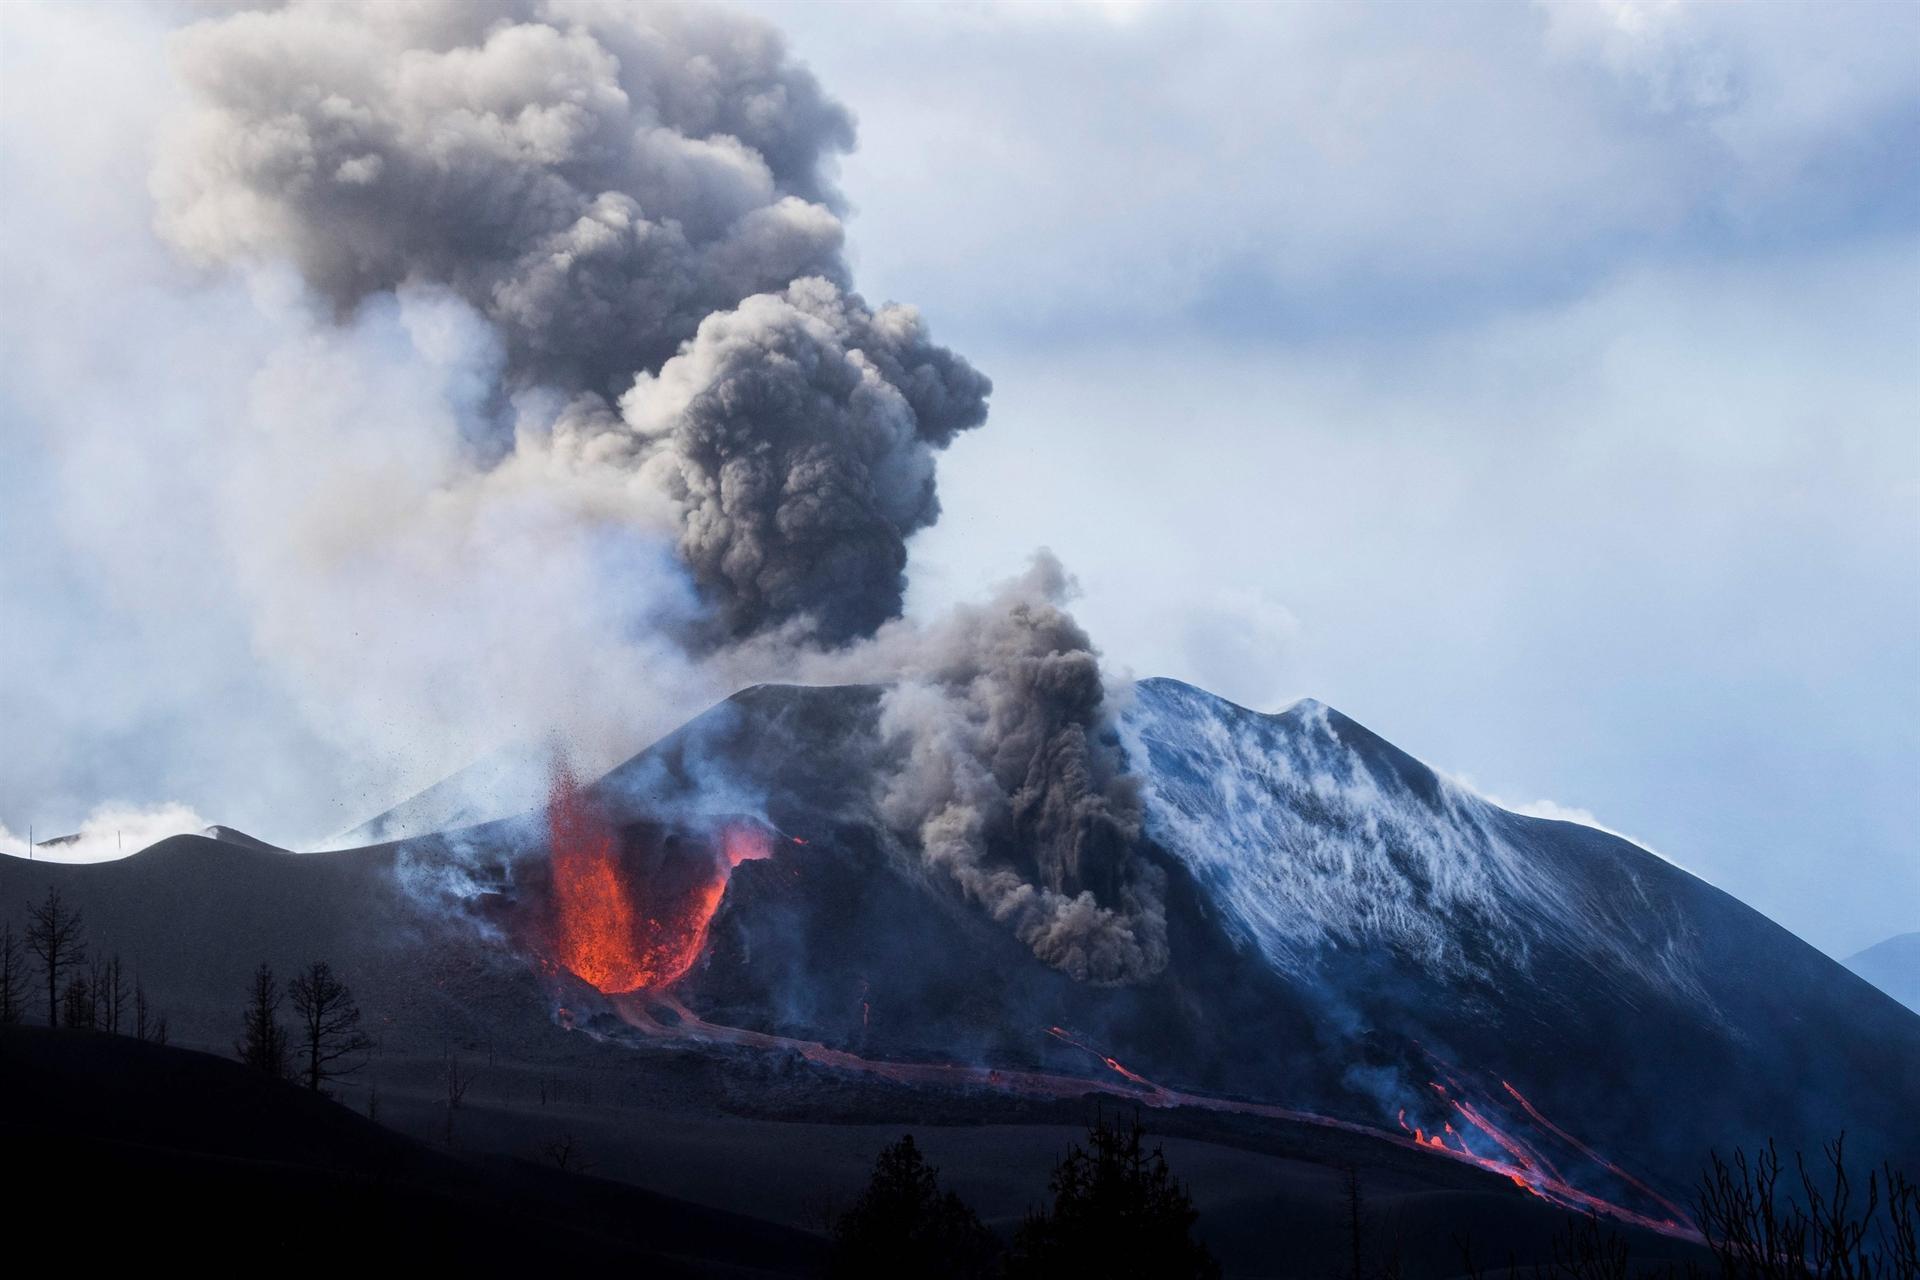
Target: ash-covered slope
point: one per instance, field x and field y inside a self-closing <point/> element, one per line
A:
<point x="1613" y="984"/>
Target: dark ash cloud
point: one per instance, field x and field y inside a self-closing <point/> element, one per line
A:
<point x="605" y="186"/>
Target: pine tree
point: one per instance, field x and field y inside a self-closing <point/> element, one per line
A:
<point x="1117" y="1213"/>
<point x="904" y="1225"/>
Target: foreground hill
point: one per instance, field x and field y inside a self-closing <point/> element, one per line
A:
<point x="135" y="1152"/>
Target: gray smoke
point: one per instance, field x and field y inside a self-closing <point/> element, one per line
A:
<point x="605" y="243"/>
<point x="603" y="184"/>
<point x="1013" y="784"/>
<point x="797" y="433"/>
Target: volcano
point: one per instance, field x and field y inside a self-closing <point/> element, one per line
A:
<point x="1353" y="935"/>
<point x="1360" y="949"/>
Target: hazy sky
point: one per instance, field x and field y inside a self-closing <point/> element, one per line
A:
<point x="1538" y="384"/>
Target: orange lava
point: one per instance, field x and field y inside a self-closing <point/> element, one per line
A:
<point x="611" y="932"/>
<point x="593" y="933"/>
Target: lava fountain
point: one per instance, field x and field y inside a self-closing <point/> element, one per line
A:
<point x="623" y="932"/>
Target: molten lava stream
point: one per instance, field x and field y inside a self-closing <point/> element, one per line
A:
<point x="611" y="932"/>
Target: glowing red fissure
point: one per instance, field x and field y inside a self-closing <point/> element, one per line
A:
<point x="609" y="932"/>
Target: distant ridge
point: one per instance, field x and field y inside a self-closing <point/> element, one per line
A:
<point x="509" y="781"/>
<point x="1893" y="966"/>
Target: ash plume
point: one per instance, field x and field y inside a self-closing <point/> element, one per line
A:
<point x="797" y="433"/>
<point x="1013" y="783"/>
<point x="603" y="185"/>
<point x="585" y="410"/>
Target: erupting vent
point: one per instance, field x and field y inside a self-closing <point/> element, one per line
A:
<point x="617" y="931"/>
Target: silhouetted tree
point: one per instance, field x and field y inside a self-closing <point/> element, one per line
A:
<point x="96" y="991"/>
<point x="149" y="1024"/>
<point x="564" y="1154"/>
<point x="77" y="1004"/>
<point x="1117" y="1213"/>
<point x="112" y="995"/>
<point x="263" y="1041"/>
<point x="1759" y="1230"/>
<point x="54" y="937"/>
<point x="904" y="1225"/>
<point x="458" y="1080"/>
<point x="1758" y="1227"/>
<point x="13" y="978"/>
<point x="327" y="1023"/>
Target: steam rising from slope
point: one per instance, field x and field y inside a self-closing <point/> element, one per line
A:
<point x="589" y="391"/>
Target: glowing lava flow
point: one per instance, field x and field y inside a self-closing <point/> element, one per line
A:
<point x="1679" y="1214"/>
<point x="1523" y="1163"/>
<point x="1518" y="1162"/>
<point x="608" y="930"/>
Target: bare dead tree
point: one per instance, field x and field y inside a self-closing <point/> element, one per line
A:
<point x="96" y="986"/>
<point x="1759" y="1228"/>
<point x="263" y="1040"/>
<point x="458" y="1081"/>
<point x="1584" y="1250"/>
<point x="54" y="938"/>
<point x="77" y="1003"/>
<point x="564" y="1154"/>
<point x="328" y="1024"/>
<point x="13" y="978"/>
<point x="113" y="995"/>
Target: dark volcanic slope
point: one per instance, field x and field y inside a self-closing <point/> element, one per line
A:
<point x="191" y="916"/>
<point x="180" y="1150"/>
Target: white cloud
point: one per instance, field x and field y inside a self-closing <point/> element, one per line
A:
<point x="110" y="831"/>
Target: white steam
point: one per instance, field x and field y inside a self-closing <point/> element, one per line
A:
<point x="110" y="831"/>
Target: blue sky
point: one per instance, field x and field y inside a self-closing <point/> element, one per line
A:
<point x="1538" y="384"/>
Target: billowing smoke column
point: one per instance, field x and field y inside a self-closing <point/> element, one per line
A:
<point x="797" y="434"/>
<point x="634" y="204"/>
<point x="1012" y="788"/>
<point x="634" y="198"/>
